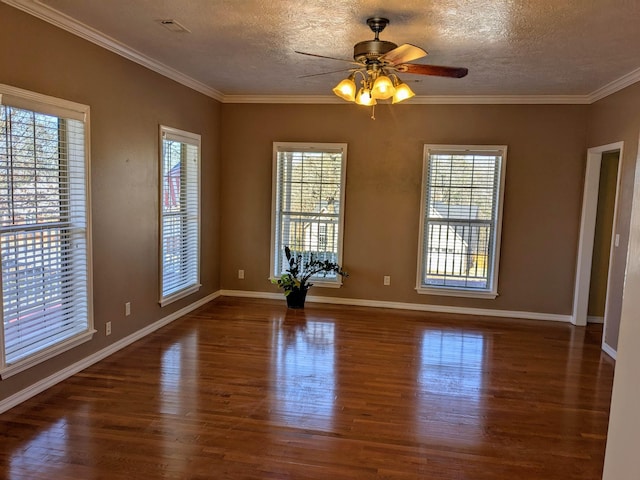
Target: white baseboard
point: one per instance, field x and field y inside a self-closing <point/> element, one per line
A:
<point x="67" y="372"/>
<point x="609" y="350"/>
<point x="407" y="306"/>
<point x="253" y="294"/>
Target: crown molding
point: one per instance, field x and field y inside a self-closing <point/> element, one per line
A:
<point x="501" y="99"/>
<point x="59" y="19"/>
<point x="615" y="86"/>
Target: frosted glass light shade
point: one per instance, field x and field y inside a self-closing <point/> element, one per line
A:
<point x="364" y="98"/>
<point x="346" y="89"/>
<point x="383" y="88"/>
<point x="402" y="93"/>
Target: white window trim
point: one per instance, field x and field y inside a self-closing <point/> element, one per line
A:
<point x="26" y="99"/>
<point x="47" y="354"/>
<point x="316" y="281"/>
<point x="193" y="139"/>
<point x="491" y="293"/>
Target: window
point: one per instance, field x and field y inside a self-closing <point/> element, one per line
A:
<point x="461" y="212"/>
<point x="44" y="228"/>
<point x="308" y="199"/>
<point x="180" y="214"/>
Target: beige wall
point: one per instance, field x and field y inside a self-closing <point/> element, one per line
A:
<point x="542" y="201"/>
<point x="616" y="118"/>
<point x="613" y="119"/>
<point x="545" y="169"/>
<point x="127" y="102"/>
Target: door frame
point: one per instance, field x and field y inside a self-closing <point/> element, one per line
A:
<point x="587" y="232"/>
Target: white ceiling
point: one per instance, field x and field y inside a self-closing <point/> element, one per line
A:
<point x="246" y="47"/>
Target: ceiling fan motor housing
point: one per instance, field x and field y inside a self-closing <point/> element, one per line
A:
<point x="370" y="50"/>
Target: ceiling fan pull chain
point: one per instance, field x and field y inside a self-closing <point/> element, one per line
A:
<point x="373" y="112"/>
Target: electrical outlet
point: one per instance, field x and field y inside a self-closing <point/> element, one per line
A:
<point x="107" y="328"/>
<point x="241" y="274"/>
<point x="127" y="309"/>
<point x="387" y="280"/>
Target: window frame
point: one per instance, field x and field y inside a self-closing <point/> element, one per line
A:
<point x="491" y="291"/>
<point x="65" y="110"/>
<point x="276" y="248"/>
<point x="187" y="138"/>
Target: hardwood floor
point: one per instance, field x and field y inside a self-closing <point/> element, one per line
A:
<point x="245" y="389"/>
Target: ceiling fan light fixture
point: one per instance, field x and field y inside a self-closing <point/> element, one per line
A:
<point x="364" y="98"/>
<point x="378" y="61"/>
<point x="346" y="89"/>
<point x="383" y="88"/>
<point x="403" y="92"/>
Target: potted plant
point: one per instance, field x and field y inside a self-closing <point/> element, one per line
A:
<point x="295" y="280"/>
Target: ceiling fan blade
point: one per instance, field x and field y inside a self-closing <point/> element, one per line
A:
<point x="403" y="54"/>
<point x="330" y="58"/>
<point x="436" y="70"/>
<point x="326" y="73"/>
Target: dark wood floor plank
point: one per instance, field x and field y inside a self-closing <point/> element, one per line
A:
<point x="245" y="388"/>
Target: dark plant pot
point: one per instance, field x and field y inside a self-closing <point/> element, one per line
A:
<point x="296" y="298"/>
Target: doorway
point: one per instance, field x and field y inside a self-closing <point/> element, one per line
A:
<point x="598" y="164"/>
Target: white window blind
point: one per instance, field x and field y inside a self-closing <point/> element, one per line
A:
<point x="44" y="228"/>
<point x="308" y="199"/>
<point x="461" y="218"/>
<point x="180" y="214"/>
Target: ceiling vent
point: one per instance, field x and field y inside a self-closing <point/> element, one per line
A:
<point x="173" y="26"/>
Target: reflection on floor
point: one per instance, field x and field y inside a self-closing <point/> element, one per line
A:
<point x="248" y="389"/>
<point x="451" y="372"/>
<point x="303" y="374"/>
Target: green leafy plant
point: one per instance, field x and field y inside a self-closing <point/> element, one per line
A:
<point x="297" y="276"/>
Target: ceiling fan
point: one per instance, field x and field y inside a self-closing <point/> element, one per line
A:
<point x="378" y="62"/>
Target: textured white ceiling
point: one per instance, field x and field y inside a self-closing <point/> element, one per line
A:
<point x="511" y="47"/>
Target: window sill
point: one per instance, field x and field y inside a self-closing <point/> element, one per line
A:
<point x="317" y="283"/>
<point x="325" y="284"/>
<point x="174" y="297"/>
<point x="44" y="355"/>
<point x="455" y="292"/>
